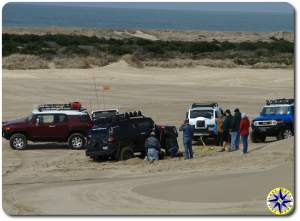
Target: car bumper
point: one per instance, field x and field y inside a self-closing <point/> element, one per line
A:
<point x="267" y="130"/>
<point x="5" y="135"/>
<point x="203" y="132"/>
<point x="97" y="151"/>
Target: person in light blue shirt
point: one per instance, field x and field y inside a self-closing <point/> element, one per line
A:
<point x="152" y="146"/>
<point x="188" y="134"/>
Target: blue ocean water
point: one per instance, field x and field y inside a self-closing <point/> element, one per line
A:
<point x="27" y="15"/>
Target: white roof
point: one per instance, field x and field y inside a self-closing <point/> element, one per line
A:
<point x="279" y="105"/>
<point x="67" y="112"/>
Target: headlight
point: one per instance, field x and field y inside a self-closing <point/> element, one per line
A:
<point x="255" y="123"/>
<point x="274" y="122"/>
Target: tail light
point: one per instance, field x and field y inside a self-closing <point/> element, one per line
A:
<point x="110" y="140"/>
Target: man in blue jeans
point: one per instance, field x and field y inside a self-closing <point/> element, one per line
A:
<point x="235" y="130"/>
<point x="188" y="133"/>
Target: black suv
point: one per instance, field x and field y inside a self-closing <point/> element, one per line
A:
<point x="122" y="138"/>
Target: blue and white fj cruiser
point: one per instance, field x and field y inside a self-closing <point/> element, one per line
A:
<point x="275" y="120"/>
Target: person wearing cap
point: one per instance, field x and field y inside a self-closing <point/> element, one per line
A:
<point x="226" y="128"/>
<point x="152" y="146"/>
<point x="188" y="134"/>
<point x="235" y="130"/>
<point x="244" y="131"/>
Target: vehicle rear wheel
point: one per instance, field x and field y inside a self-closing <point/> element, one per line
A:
<point x="126" y="153"/>
<point x="18" y="141"/>
<point x="76" y="141"/>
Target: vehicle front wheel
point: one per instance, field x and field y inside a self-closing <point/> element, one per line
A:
<point x="257" y="138"/>
<point x="286" y="133"/>
<point x="76" y="141"/>
<point x="18" y="141"/>
<point x="126" y="153"/>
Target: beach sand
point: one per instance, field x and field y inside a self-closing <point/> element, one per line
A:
<point x="50" y="179"/>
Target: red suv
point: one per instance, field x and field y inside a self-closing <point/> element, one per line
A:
<point x="50" y="123"/>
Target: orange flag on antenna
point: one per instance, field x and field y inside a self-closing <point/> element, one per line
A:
<point x="106" y="88"/>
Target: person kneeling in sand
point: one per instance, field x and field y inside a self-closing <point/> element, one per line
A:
<point x="152" y="146"/>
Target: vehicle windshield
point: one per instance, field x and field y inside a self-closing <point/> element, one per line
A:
<point x="275" y="110"/>
<point x="29" y="118"/>
<point x="201" y="113"/>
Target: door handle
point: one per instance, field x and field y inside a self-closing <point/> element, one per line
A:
<point x="143" y="133"/>
<point x="51" y="125"/>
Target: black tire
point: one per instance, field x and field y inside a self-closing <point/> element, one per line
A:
<point x="125" y="153"/>
<point x="18" y="141"/>
<point x="284" y="134"/>
<point x="76" y="141"/>
<point x="255" y="138"/>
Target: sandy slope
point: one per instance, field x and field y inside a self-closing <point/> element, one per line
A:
<point x="50" y="179"/>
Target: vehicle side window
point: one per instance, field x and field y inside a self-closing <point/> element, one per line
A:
<point x="84" y="118"/>
<point x="292" y="109"/>
<point x="60" y="118"/>
<point x="217" y="114"/>
<point x="45" y="119"/>
<point x="144" y="125"/>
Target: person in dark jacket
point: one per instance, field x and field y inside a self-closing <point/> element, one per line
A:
<point x="188" y="134"/>
<point x="152" y="146"/>
<point x="235" y="130"/>
<point x="171" y="142"/>
<point x="226" y="128"/>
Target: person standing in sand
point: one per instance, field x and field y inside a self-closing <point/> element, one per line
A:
<point x="220" y="119"/>
<point x="244" y="131"/>
<point x="235" y="128"/>
<point x="188" y="133"/>
<point x="226" y="128"/>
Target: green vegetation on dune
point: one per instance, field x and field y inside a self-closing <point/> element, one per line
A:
<point x="51" y="46"/>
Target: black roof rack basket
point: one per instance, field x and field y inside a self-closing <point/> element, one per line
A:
<point x="128" y="115"/>
<point x="212" y="104"/>
<point x="45" y="107"/>
<point x="280" y="101"/>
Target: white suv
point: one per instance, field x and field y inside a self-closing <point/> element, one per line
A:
<point x="203" y="117"/>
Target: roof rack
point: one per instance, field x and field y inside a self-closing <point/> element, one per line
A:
<point x="213" y="104"/>
<point x="59" y="107"/>
<point x="128" y="115"/>
<point x="280" y="101"/>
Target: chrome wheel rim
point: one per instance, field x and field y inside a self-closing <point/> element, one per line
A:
<point x="287" y="133"/>
<point x="18" y="143"/>
<point x="77" y="142"/>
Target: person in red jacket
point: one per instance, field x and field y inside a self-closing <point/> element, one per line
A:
<point x="244" y="132"/>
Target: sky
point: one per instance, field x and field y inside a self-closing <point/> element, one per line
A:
<point x="280" y="7"/>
